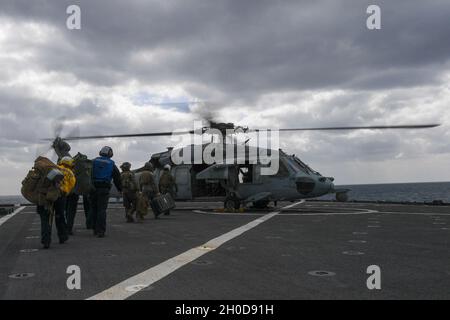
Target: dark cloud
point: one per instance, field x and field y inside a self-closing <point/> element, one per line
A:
<point x="28" y="119"/>
<point x="245" y="48"/>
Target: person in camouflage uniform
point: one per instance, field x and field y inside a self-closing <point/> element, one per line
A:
<point x="167" y="184"/>
<point x="129" y="191"/>
<point x="148" y="186"/>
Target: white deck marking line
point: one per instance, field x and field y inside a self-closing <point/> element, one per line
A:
<point x="360" y="211"/>
<point x="9" y="216"/>
<point x="417" y="213"/>
<point x="131" y="286"/>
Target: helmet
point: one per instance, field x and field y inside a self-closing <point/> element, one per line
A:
<point x="66" y="161"/>
<point x="148" y="165"/>
<point x="55" y="175"/>
<point x="167" y="167"/>
<point x="106" y="152"/>
<point x="125" y="166"/>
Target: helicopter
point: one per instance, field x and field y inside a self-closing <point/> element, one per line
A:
<point x="240" y="182"/>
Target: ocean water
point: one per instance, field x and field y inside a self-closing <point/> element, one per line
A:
<point x="397" y="192"/>
<point x="12" y="200"/>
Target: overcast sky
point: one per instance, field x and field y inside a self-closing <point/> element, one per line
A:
<point x="277" y="64"/>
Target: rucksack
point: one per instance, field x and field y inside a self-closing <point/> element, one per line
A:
<point x="102" y="169"/>
<point x="83" y="173"/>
<point x="128" y="181"/>
<point x="33" y="183"/>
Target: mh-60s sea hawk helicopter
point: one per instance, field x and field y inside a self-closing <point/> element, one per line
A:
<point x="239" y="181"/>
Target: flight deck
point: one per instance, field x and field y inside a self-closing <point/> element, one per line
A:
<point x="302" y="250"/>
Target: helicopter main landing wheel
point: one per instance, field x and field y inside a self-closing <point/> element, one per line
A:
<point x="231" y="203"/>
<point x="342" y="197"/>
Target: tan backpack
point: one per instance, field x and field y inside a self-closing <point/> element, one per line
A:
<point x="142" y="204"/>
<point x="34" y="182"/>
<point x="128" y="181"/>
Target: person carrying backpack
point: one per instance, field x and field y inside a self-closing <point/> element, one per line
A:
<point x="47" y="185"/>
<point x="66" y="186"/>
<point x="71" y="199"/>
<point x="104" y="171"/>
<point x="148" y="186"/>
<point x="129" y="192"/>
<point x="49" y="193"/>
<point x="82" y="168"/>
<point x="167" y="184"/>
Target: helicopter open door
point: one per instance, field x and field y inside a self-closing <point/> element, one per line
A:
<point x="214" y="172"/>
<point x="226" y="174"/>
<point x="182" y="176"/>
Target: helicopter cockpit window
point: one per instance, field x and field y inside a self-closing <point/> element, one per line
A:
<point x="295" y="166"/>
<point x="308" y="168"/>
<point x="305" y="166"/>
<point x="282" y="170"/>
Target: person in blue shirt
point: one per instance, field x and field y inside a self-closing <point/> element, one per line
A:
<point x="104" y="170"/>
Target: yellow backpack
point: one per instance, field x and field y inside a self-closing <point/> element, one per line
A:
<point x="69" y="180"/>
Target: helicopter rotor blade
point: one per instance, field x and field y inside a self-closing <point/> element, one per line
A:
<point x="42" y="150"/>
<point x="382" y="127"/>
<point x="159" y="134"/>
<point x="133" y="135"/>
<point x="58" y="126"/>
<point x="74" y="132"/>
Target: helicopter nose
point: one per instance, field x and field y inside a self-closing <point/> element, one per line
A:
<point x="331" y="187"/>
<point x="330" y="181"/>
<point x="314" y="186"/>
<point x="326" y="184"/>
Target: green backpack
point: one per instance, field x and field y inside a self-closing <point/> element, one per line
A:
<point x="83" y="173"/>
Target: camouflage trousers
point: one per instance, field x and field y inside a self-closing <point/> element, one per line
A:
<point x="130" y="203"/>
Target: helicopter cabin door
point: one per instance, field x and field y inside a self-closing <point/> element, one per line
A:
<point x="182" y="176"/>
